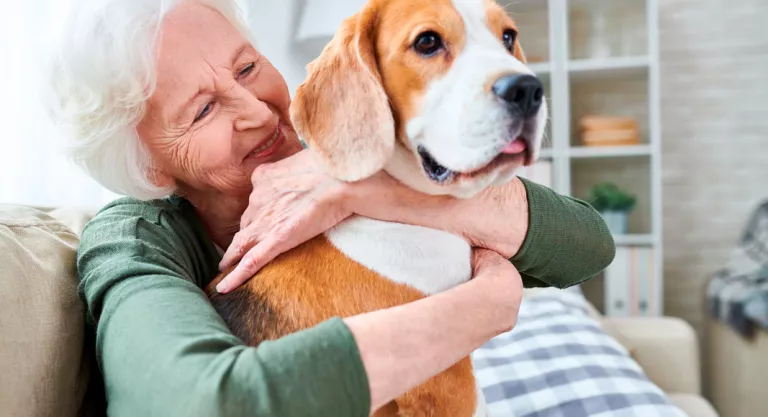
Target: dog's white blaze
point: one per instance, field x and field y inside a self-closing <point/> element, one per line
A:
<point x="426" y="259"/>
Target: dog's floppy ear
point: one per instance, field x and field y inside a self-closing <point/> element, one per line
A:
<point x="519" y="53"/>
<point x="342" y="110"/>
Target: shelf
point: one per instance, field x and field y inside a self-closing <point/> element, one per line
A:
<point x="597" y="67"/>
<point x="609" y="151"/>
<point x="601" y="57"/>
<point x="619" y="66"/>
<point x="539" y="68"/>
<point x="634" y="240"/>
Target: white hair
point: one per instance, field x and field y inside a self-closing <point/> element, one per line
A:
<point x="102" y="74"/>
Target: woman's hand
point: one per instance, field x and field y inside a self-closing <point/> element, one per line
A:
<point x="292" y="201"/>
<point x="504" y="283"/>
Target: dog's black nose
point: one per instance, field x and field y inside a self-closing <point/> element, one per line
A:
<point x="521" y="91"/>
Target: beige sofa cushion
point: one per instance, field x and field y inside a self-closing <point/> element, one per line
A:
<point x="42" y="371"/>
<point x="666" y="347"/>
<point x="694" y="405"/>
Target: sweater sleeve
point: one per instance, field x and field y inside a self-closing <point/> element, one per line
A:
<point x="164" y="351"/>
<point x="567" y="242"/>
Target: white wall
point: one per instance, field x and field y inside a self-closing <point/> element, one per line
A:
<point x="714" y="138"/>
<point x="32" y="168"/>
<point x="274" y="24"/>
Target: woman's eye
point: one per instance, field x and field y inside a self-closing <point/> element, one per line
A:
<point x="246" y="70"/>
<point x="509" y="38"/>
<point x="428" y="43"/>
<point x="204" y="112"/>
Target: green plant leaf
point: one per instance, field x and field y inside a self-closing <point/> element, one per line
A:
<point x="607" y="196"/>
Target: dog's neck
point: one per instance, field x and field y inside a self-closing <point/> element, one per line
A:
<point x="429" y="260"/>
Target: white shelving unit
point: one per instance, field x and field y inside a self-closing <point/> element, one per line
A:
<point x="619" y="83"/>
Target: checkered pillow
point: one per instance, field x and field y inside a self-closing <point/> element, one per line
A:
<point x="557" y="362"/>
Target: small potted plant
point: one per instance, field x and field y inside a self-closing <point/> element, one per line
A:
<point x="614" y="204"/>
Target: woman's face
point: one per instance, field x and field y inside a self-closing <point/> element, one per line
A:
<point x="219" y="110"/>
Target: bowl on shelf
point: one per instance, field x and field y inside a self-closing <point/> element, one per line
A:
<point x="609" y="131"/>
<point x="597" y="122"/>
<point x="610" y="138"/>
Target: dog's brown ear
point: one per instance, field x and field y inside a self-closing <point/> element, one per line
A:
<point x="342" y="110"/>
<point x="519" y="53"/>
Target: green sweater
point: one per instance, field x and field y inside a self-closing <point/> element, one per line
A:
<point x="163" y="350"/>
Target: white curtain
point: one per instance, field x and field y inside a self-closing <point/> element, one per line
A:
<point x="33" y="169"/>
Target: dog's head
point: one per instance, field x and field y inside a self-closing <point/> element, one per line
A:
<point x="436" y="92"/>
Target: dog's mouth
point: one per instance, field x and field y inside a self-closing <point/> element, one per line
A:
<point x="519" y="150"/>
<point x="433" y="169"/>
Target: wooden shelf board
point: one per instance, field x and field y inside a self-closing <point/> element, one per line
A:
<point x="590" y="68"/>
<point x="609" y="151"/>
<point x="539" y="68"/>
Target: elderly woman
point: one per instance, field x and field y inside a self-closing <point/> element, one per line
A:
<point x="175" y="107"/>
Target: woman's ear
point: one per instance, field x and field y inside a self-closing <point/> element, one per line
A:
<point x="342" y="110"/>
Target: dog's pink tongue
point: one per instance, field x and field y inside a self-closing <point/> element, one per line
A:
<point x="516" y="146"/>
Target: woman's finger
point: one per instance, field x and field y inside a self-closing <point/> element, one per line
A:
<point x="487" y="263"/>
<point x="251" y="263"/>
<point x="483" y="259"/>
<point x="243" y="241"/>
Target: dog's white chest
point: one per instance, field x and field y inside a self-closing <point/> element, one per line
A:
<point x="427" y="259"/>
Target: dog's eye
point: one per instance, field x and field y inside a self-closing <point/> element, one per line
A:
<point x="509" y="38"/>
<point x="428" y="43"/>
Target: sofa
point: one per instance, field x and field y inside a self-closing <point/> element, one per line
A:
<point x="48" y="369"/>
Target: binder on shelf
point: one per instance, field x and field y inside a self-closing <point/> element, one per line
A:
<point x="631" y="283"/>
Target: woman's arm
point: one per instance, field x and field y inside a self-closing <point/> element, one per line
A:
<point x="164" y="351"/>
<point x="403" y="346"/>
<point x="553" y="240"/>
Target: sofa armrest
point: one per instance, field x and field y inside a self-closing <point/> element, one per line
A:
<point x="666" y="348"/>
<point x="694" y="405"/>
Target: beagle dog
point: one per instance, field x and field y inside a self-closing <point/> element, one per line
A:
<point x="437" y="94"/>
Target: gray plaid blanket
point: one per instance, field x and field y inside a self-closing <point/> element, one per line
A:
<point x="558" y="362"/>
<point x="738" y="293"/>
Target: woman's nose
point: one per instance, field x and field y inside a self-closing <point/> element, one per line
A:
<point x="251" y="113"/>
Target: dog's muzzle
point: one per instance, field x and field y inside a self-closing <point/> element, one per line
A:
<point x="522" y="95"/>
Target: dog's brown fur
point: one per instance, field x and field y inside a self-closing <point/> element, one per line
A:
<point x="316" y="282"/>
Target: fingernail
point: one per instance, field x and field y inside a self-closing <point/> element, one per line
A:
<point x="221" y="287"/>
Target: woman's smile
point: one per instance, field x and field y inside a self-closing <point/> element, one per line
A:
<point x="268" y="147"/>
